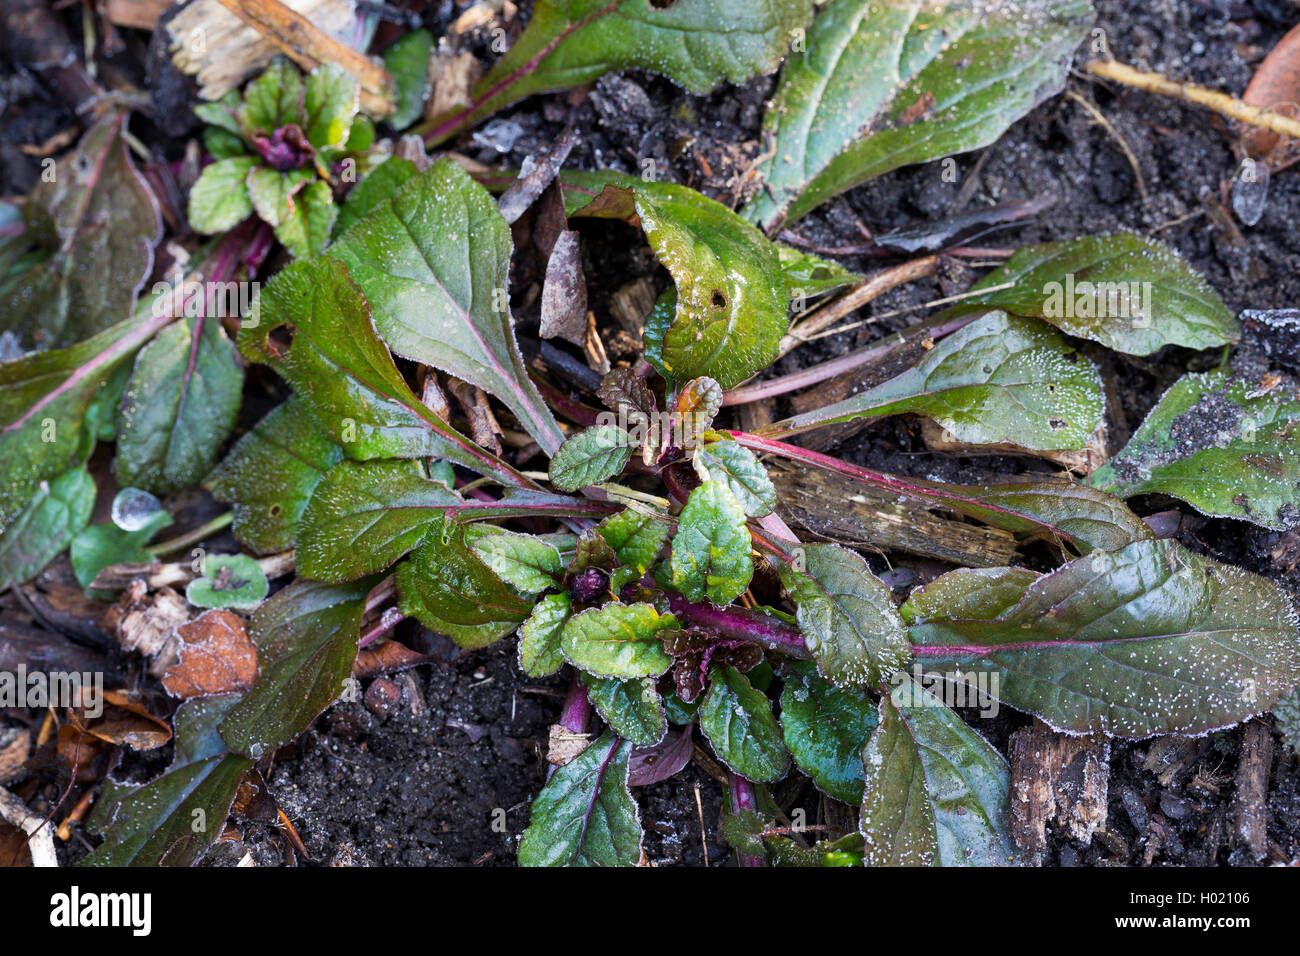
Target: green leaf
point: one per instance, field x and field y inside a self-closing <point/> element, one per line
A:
<point x="825" y="727"/>
<point x="1126" y="291"/>
<point x="228" y="581"/>
<point x="377" y="186"/>
<point x="848" y="620"/>
<point x="1000" y="379"/>
<point x="407" y="61"/>
<point x="336" y="361"/>
<point x="805" y="274"/>
<point x="696" y="43"/>
<point x="98" y="220"/>
<point x="270" y="475"/>
<point x="179" y="407"/>
<point x="445" y="581"/>
<point x="52" y="518"/>
<point x="618" y="640"/>
<point x="1151" y="639"/>
<point x="738" y="468"/>
<point x="711" y="550"/>
<point x="331" y="99"/>
<point x="657" y="324"/>
<point x="274" y="99"/>
<point x="306" y="639"/>
<point x="882" y="85"/>
<point x="433" y="261"/>
<point x="306" y="226"/>
<point x="632" y="708"/>
<point x="585" y="815"/>
<point x="539" y="636"/>
<point x="219" y="200"/>
<point x="272" y="192"/>
<point x="523" y="561"/>
<point x="738" y="721"/>
<point x="636" y="537"/>
<point x="936" y="792"/>
<point x="1222" y="444"/>
<point x="101" y="545"/>
<point x="590" y="457"/>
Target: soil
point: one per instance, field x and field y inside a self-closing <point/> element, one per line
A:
<point x="424" y="783"/>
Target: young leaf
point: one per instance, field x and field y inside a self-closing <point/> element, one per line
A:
<point x="825" y="727"/>
<point x="1126" y="291"/>
<point x="711" y="550"/>
<point x="738" y="721"/>
<point x="847" y="617"/>
<point x="219" y="200"/>
<point x="525" y="562"/>
<point x="306" y="639"/>
<point x="445" y="581"/>
<point x="636" y="538"/>
<point x="696" y="43"/>
<point x="805" y="274"/>
<point x="591" y="456"/>
<point x="999" y="379"/>
<point x="883" y="85"/>
<point x="407" y="61"/>
<point x="740" y="471"/>
<point x="632" y="708"/>
<point x="539" y="636"/>
<point x="179" y="407"/>
<point x="433" y="261"/>
<point x="273" y="191"/>
<point x="228" y="581"/>
<point x="618" y="640"/>
<point x="936" y="792"/>
<point x="585" y="815"/>
<point x="101" y="545"/>
<point x="270" y="475"/>
<point x="331" y="100"/>
<point x="1151" y="639"/>
<point x="52" y="518"/>
<point x="273" y="99"/>
<point x="335" y="360"/>
<point x="100" y="220"/>
<point x="1222" y="444"/>
<point x="307" y="223"/>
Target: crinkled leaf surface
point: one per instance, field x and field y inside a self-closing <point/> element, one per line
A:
<point x="1222" y="444"/>
<point x="737" y="718"/>
<point x="1150" y="639"/>
<point x="305" y="228"/>
<point x="999" y="379"/>
<point x="433" y="261"/>
<point x="179" y="407"/>
<point x="848" y="620"/>
<point x="585" y="815"/>
<point x="445" y="581"/>
<point x="740" y="471"/>
<point x="618" y="640"/>
<point x="219" y="200"/>
<point x="52" y="518"/>
<point x="270" y="474"/>
<point x="306" y="639"/>
<point x="523" y="561"/>
<point x="539" y="636"/>
<point x="273" y="99"/>
<point x="711" y="550"/>
<point x="885" y="83"/>
<point x="936" y="792"/>
<point x="825" y="727"/>
<point x="591" y="456"/>
<point x="632" y="708"/>
<point x="331" y="98"/>
<point x="1126" y="291"/>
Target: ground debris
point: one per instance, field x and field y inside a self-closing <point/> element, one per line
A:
<point x="1056" y="778"/>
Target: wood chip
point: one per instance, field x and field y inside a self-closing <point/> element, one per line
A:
<point x="1057" y="778"/>
<point x="1250" y="801"/>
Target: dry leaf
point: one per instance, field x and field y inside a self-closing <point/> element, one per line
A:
<point x="215" y="657"/>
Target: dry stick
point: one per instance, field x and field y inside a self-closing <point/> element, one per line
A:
<point x="1221" y="103"/>
<point x="309" y="46"/>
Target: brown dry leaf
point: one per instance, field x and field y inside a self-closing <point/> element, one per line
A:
<point x="215" y="657"/>
<point x="537" y="172"/>
<point x="79" y="749"/>
<point x="386" y="658"/>
<point x="483" y="425"/>
<point x="564" y="294"/>
<point x="452" y="76"/>
<point x="1275" y="86"/>
<point x="563" y="744"/>
<point x="124" y="722"/>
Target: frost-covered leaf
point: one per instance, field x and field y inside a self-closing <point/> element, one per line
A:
<point x="179" y="407"/>
<point x="696" y="43"/>
<point x="825" y="727"/>
<point x="632" y="708"/>
<point x="307" y="223"/>
<point x="590" y="457"/>
<point x="273" y="99"/>
<point x="270" y="474"/>
<point x="1126" y="291"/>
<point x="739" y="469"/>
<point x="539" y="636"/>
<point x="585" y="815"/>
<point x="847" y="617"/>
<point x="407" y="61"/>
<point x="332" y="97"/>
<point x="523" y="561"/>
<point x="51" y="519"/>
<point x="1150" y="639"/>
<point x="433" y="261"/>
<point x="711" y="550"/>
<point x="936" y="792"/>
<point x="1000" y="379"/>
<point x="228" y="581"/>
<point x="306" y="639"/>
<point x="737" y="718"/>
<point x="1223" y="444"/>
<point x="272" y="192"/>
<point x="883" y="84"/>
<point x="219" y="200"/>
<point x="636" y="538"/>
<point x="618" y="640"/>
<point x="374" y="189"/>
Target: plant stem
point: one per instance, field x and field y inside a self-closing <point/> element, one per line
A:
<point x="741" y="624"/>
<point x="742" y="795"/>
<point x="191" y="537"/>
<point x="576" y="712"/>
<point x="387" y="621"/>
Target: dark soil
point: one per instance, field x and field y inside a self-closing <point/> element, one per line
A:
<point x="424" y="784"/>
